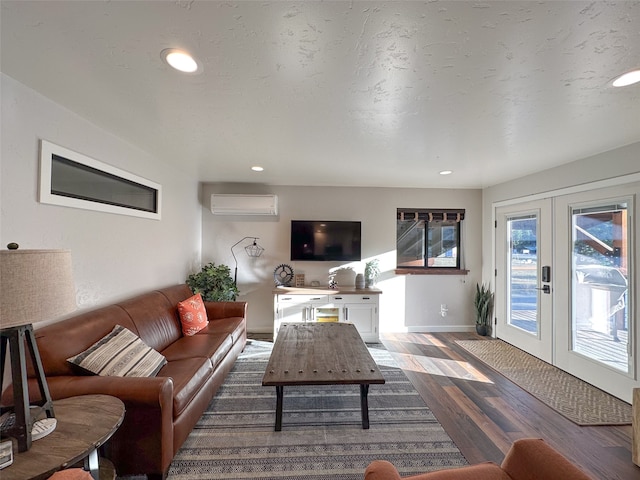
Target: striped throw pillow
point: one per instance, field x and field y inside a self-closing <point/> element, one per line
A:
<point x="121" y="353"/>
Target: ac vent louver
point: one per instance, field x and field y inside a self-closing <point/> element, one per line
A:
<point x="241" y="204"/>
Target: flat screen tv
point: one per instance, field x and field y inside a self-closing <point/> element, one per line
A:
<point x="325" y="240"/>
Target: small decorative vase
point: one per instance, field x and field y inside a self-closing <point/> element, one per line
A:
<point x="369" y="282"/>
<point x="360" y="281"/>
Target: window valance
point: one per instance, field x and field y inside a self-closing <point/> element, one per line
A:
<point x="431" y="214"/>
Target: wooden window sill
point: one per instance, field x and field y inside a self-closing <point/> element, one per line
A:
<point x="430" y="271"/>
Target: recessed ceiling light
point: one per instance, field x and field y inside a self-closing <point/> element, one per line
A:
<point x="446" y="172"/>
<point x="626" y="79"/>
<point x="257" y="168"/>
<point x="180" y="60"/>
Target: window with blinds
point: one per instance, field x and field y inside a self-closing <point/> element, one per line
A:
<point x="428" y="238"/>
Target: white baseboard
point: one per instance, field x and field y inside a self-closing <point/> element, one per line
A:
<point x="412" y="329"/>
<point x="260" y="330"/>
<point x="433" y="329"/>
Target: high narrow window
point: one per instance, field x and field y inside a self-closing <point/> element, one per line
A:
<point x="74" y="180"/>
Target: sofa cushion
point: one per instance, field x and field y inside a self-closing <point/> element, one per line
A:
<point x="193" y="315"/>
<point x="189" y="377"/>
<point x="156" y="320"/>
<point x="59" y="341"/>
<point x="213" y="347"/>
<point x="234" y="326"/>
<point x="120" y="354"/>
<point x="176" y="293"/>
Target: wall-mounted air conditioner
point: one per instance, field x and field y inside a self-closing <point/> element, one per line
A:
<point x="239" y="204"/>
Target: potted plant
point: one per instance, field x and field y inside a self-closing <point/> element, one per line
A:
<point x="483" y="303"/>
<point x="214" y="283"/>
<point x="371" y="272"/>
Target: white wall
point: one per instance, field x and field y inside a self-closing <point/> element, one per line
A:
<point x="604" y="166"/>
<point x="408" y="303"/>
<point x="114" y="256"/>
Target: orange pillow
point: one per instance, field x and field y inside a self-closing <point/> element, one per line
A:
<point x="193" y="315"/>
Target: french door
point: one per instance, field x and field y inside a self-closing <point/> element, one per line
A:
<point x="596" y="308"/>
<point x="566" y="283"/>
<point x="523" y="299"/>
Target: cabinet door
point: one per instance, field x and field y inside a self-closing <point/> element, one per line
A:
<point x="293" y="312"/>
<point x="363" y="316"/>
<point x="295" y="309"/>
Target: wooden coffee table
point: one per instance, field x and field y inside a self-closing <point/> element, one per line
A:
<point x="321" y="354"/>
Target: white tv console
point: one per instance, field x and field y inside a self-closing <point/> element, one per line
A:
<point x="344" y="304"/>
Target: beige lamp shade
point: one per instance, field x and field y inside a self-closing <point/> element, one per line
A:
<point x="35" y="286"/>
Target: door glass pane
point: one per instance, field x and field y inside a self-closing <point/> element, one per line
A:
<point x="522" y="279"/>
<point x="600" y="299"/>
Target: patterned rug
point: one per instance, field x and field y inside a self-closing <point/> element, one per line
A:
<point x="322" y="435"/>
<point x="577" y="400"/>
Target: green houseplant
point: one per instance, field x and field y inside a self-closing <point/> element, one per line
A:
<point x="371" y="272"/>
<point x="214" y="283"/>
<point x="483" y="304"/>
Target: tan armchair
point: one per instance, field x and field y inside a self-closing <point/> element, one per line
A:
<point x="528" y="459"/>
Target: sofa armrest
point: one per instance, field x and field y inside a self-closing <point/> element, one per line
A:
<point x="383" y="470"/>
<point x="148" y="419"/>
<point x="531" y="458"/>
<point x="152" y="391"/>
<point x="226" y="309"/>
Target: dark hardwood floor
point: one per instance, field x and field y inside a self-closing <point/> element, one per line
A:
<point x="484" y="413"/>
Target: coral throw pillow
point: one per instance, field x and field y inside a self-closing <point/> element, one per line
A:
<point x="193" y="315"/>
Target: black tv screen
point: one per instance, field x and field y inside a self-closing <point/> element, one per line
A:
<point x="325" y="240"/>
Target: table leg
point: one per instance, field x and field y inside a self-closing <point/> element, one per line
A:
<point x="364" y="405"/>
<point x="92" y="465"/>
<point x="279" y="398"/>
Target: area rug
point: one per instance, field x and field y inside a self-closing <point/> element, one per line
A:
<point x="322" y="435"/>
<point x="575" y="399"/>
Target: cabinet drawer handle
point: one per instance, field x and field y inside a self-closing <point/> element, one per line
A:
<point x="366" y="298"/>
<point x="338" y="298"/>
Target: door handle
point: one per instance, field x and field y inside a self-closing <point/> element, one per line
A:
<point x="545" y="289"/>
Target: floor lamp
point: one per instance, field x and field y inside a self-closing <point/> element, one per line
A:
<point x="253" y="250"/>
<point x="35" y="286"/>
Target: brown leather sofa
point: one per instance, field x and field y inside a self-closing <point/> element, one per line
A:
<point x="528" y="459"/>
<point x="160" y="411"/>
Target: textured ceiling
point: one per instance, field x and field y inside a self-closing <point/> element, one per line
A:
<point x="340" y="93"/>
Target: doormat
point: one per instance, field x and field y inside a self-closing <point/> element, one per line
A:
<point x="573" y="398"/>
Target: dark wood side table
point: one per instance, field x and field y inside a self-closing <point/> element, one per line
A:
<point x="84" y="423"/>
